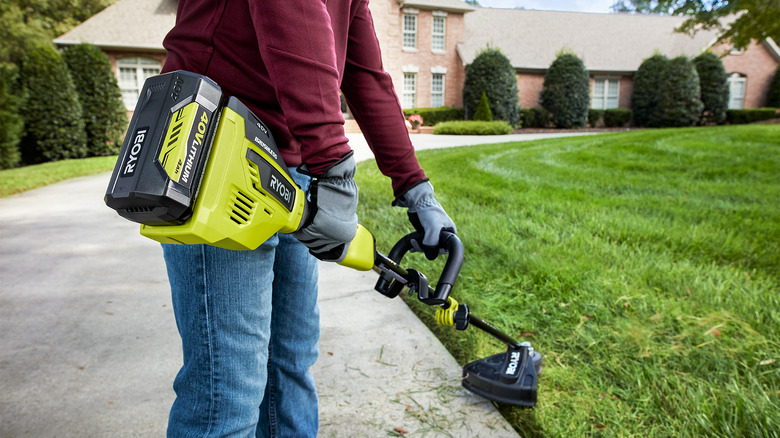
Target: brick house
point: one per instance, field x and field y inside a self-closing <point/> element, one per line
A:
<point x="426" y="45"/>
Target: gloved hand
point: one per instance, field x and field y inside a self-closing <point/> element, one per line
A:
<point x="426" y="215"/>
<point x="332" y="221"/>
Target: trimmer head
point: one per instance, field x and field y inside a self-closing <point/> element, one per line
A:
<point x="509" y="377"/>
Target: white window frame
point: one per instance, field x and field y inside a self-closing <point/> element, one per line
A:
<point x="131" y="74"/>
<point x="439" y="37"/>
<point x="437" y="93"/>
<point x="409" y="90"/>
<point x="606" y="99"/>
<point x="409" y="28"/>
<point x="734" y="80"/>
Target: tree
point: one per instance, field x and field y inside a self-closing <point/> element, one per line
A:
<point x="483" y="110"/>
<point x="52" y="115"/>
<point x="680" y="101"/>
<point x="11" y="124"/>
<point x="773" y="95"/>
<point x="646" y="93"/>
<point x="491" y="73"/>
<point x="713" y="82"/>
<point x="101" y="99"/>
<point x="566" y="91"/>
<point x="737" y="22"/>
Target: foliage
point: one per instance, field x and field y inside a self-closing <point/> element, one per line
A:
<point x="714" y="86"/>
<point x="101" y="99"/>
<point x="752" y="115"/>
<point x="755" y="19"/>
<point x="644" y="266"/>
<point x="483" y="113"/>
<point x="680" y="101"/>
<point x="594" y="116"/>
<point x="468" y="127"/>
<point x="491" y="73"/>
<point x="773" y="95"/>
<point x="52" y="115"/>
<point x="646" y="93"/>
<point x="432" y="116"/>
<point x="566" y="91"/>
<point x="617" y="117"/>
<point x="535" y="118"/>
<point x="11" y="124"/>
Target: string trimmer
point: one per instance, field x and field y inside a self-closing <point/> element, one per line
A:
<point x="196" y="168"/>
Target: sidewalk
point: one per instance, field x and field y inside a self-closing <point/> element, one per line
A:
<point x="89" y="347"/>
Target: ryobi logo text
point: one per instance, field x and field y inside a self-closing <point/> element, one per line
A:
<point x="282" y="189"/>
<point x="514" y="361"/>
<point x="137" y="144"/>
<point x="183" y="143"/>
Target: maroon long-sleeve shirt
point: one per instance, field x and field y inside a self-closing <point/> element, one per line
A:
<point x="286" y="60"/>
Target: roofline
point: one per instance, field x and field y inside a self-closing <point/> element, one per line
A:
<point x="423" y="4"/>
<point x="116" y="46"/>
<point x="772" y="46"/>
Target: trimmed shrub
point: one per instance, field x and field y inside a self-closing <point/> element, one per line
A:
<point x="52" y="115"/>
<point x="617" y="117"/>
<point x="745" y="116"/>
<point x="680" y="100"/>
<point x="566" y="92"/>
<point x="773" y="95"/>
<point x="105" y="117"/>
<point x="594" y="115"/>
<point x="713" y="83"/>
<point x="491" y="73"/>
<point x="483" y="113"/>
<point x="11" y="124"/>
<point x="535" y="118"/>
<point x="473" y="128"/>
<point x="432" y="116"/>
<point x="646" y="92"/>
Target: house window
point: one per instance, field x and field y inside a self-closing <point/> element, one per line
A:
<point x="410" y="29"/>
<point x="606" y="93"/>
<point x="438" y="37"/>
<point x="437" y="90"/>
<point x="737" y="85"/>
<point x="132" y="74"/>
<point x="410" y="90"/>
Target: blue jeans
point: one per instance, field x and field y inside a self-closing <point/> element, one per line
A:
<point x="249" y="325"/>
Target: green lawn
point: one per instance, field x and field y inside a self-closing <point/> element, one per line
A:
<point x="18" y="180"/>
<point x="644" y="266"/>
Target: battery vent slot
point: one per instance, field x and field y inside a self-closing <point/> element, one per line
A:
<point x="241" y="207"/>
<point x="140" y="209"/>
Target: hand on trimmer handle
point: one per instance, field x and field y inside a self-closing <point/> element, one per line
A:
<point x="390" y="285"/>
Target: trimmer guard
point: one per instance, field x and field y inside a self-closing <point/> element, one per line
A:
<point x="509" y="377"/>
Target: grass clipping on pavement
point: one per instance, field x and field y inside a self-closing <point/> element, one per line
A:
<point x="644" y="266"/>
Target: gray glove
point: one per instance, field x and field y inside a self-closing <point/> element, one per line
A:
<point x="428" y="216"/>
<point x="332" y="219"/>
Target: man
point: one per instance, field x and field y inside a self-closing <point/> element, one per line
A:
<point x="248" y="320"/>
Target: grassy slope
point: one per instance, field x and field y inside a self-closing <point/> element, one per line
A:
<point x="30" y="177"/>
<point x="645" y="266"/>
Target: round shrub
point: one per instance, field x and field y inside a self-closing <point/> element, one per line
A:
<point x="491" y="73"/>
<point x="680" y="100"/>
<point x="713" y="83"/>
<point x="105" y="118"/>
<point x="617" y="117"/>
<point x="11" y="124"/>
<point x="773" y="95"/>
<point x="483" y="113"/>
<point x="594" y="115"/>
<point x="646" y="92"/>
<point x="52" y="114"/>
<point x="566" y="92"/>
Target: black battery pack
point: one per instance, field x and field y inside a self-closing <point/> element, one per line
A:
<point x="163" y="156"/>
